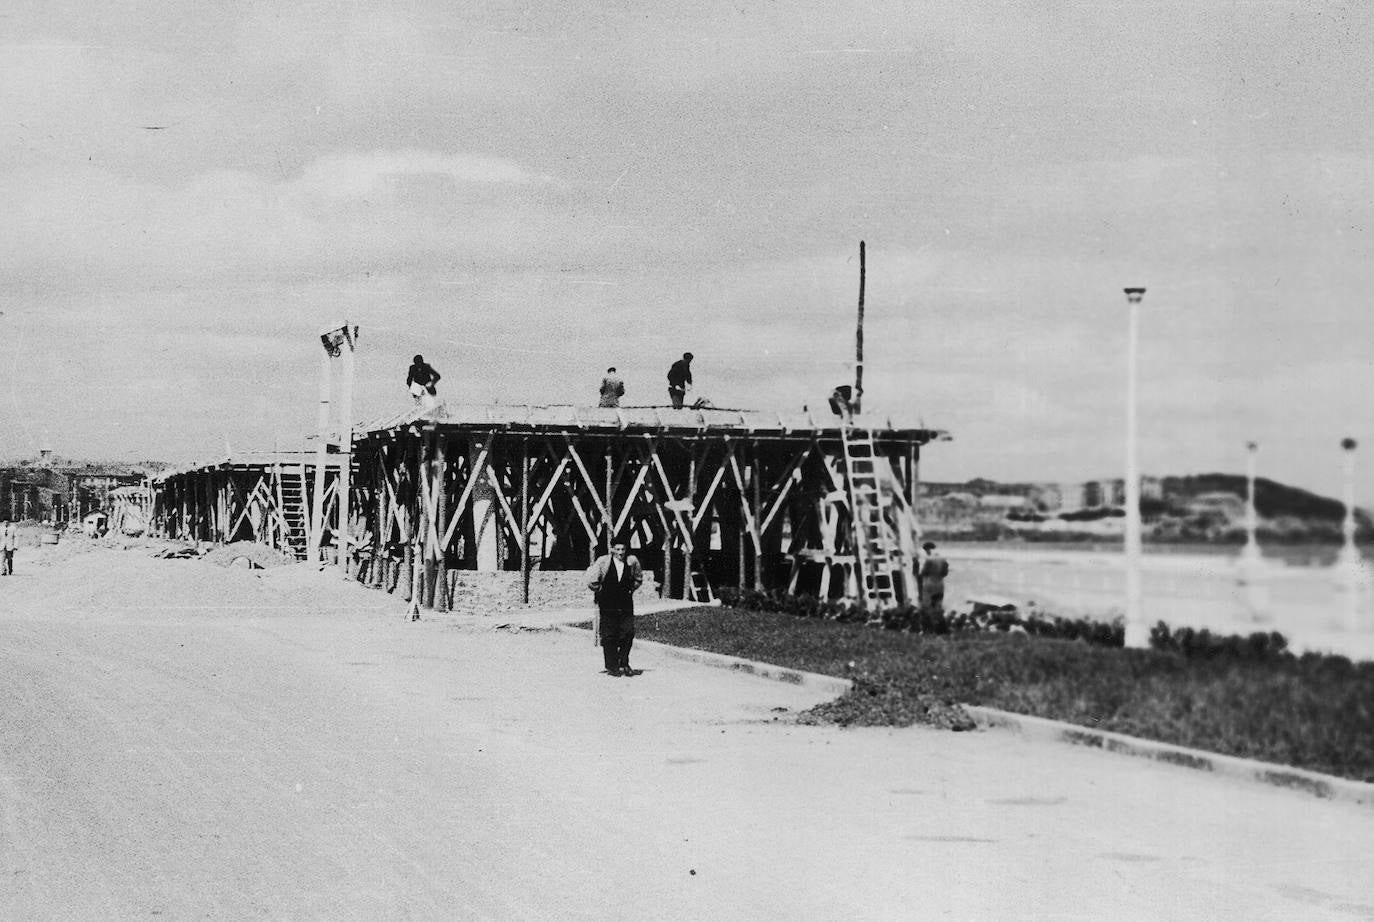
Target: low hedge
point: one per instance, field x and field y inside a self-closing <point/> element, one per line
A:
<point x="1192" y="643"/>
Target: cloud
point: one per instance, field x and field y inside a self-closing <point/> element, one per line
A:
<point x="342" y="213"/>
<point x="378" y="173"/>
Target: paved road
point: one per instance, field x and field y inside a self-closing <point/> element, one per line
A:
<point x="240" y="756"/>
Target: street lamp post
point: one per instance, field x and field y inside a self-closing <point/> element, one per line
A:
<point x="1251" y="577"/>
<point x="1250" y="554"/>
<point x="338" y="340"/>
<point x="1350" y="555"/>
<point x="1349" y="573"/>
<point x="1137" y="633"/>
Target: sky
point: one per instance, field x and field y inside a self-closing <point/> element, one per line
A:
<point x="528" y="193"/>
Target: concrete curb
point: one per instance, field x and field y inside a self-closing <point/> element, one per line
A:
<point x="811" y="680"/>
<point x="1326" y="787"/>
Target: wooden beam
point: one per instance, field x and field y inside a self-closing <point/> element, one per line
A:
<point x="586" y="478"/>
<point x="701" y="508"/>
<point x="749" y="522"/>
<point x="525" y="519"/>
<point x="548" y="490"/>
<point x="440" y="510"/>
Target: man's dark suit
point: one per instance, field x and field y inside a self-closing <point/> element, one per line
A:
<point x="616" y="603"/>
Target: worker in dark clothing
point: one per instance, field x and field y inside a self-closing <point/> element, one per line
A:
<point x="680" y="380"/>
<point x="842" y="401"/>
<point x="422" y="380"/>
<point x="612" y="388"/>
<point x="932" y="573"/>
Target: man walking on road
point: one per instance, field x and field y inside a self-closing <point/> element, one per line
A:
<point x="934" y="569"/>
<point x="613" y="579"/>
<point x="680" y="380"/>
<point x="612" y="388"/>
<point x="9" y="543"/>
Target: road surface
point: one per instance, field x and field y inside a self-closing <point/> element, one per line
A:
<point x="186" y="742"/>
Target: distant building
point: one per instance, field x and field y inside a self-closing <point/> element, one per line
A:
<point x="51" y="488"/>
<point x="1004" y="502"/>
<point x="1047" y="497"/>
<point x="1219" y="504"/>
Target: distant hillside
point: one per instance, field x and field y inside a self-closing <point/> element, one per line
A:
<point x="1272" y="499"/>
<point x="1207" y="508"/>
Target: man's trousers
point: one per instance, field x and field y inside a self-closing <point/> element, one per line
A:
<point x="617" y="635"/>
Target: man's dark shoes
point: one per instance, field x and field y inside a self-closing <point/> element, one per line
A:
<point x="627" y="671"/>
<point x="613" y="673"/>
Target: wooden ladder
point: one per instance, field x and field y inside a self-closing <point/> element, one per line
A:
<point x="873" y="550"/>
<point x="293" y="513"/>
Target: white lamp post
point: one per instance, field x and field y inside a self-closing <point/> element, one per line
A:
<point x="1250" y="554"/>
<point x="338" y="340"/>
<point x="1137" y="632"/>
<point x="1349" y="568"/>
<point x="1251" y="563"/>
<point x="1350" y="555"/>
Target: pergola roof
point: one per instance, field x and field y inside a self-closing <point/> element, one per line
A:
<point x="639" y="419"/>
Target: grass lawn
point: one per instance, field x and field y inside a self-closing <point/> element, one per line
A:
<point x="1309" y="712"/>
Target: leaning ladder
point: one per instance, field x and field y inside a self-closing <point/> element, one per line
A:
<point x="873" y="550"/>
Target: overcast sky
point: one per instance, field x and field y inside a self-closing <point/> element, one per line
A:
<point x="527" y="193"/>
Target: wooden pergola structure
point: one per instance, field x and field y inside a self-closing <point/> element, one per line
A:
<point x="264" y="497"/>
<point x="703" y="497"/>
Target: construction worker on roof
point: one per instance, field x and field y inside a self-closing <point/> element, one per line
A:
<point x="680" y="380"/>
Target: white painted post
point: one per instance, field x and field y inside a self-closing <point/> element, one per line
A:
<point x="1349" y="567"/>
<point x="321" y="456"/>
<point x="344" y="483"/>
<point x="1137" y="632"/>
<point x="1251" y="560"/>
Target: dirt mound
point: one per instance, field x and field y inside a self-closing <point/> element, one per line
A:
<point x="257" y="556"/>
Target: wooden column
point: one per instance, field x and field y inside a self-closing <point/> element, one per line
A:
<point x="692" y="506"/>
<point x="609" y="523"/>
<point x="344" y="483"/>
<point x="317" y="519"/>
<point x="407" y="471"/>
<point x="425" y="543"/>
<point x="440" y="482"/>
<point x="525" y="519"/>
<point x="759" y="555"/>
<point x="381" y="526"/>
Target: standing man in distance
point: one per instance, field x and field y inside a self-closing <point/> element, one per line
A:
<point x="613" y="579"/>
<point x="9" y="543"/>
<point x="934" y="569"/>
<point x="422" y="380"/>
<point x="680" y="380"/>
<point x="612" y="388"/>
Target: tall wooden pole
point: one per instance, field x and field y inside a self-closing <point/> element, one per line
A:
<point x="1137" y="631"/>
<point x="424" y="547"/>
<point x="525" y="520"/>
<point x="343" y="488"/>
<point x="321" y="458"/>
<point x="859" y="339"/>
<point x="442" y="601"/>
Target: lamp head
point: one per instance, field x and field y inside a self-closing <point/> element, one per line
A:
<point x="1133" y="295"/>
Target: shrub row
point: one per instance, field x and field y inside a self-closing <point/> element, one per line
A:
<point x="915" y="620"/>
<point x="1189" y="642"/>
